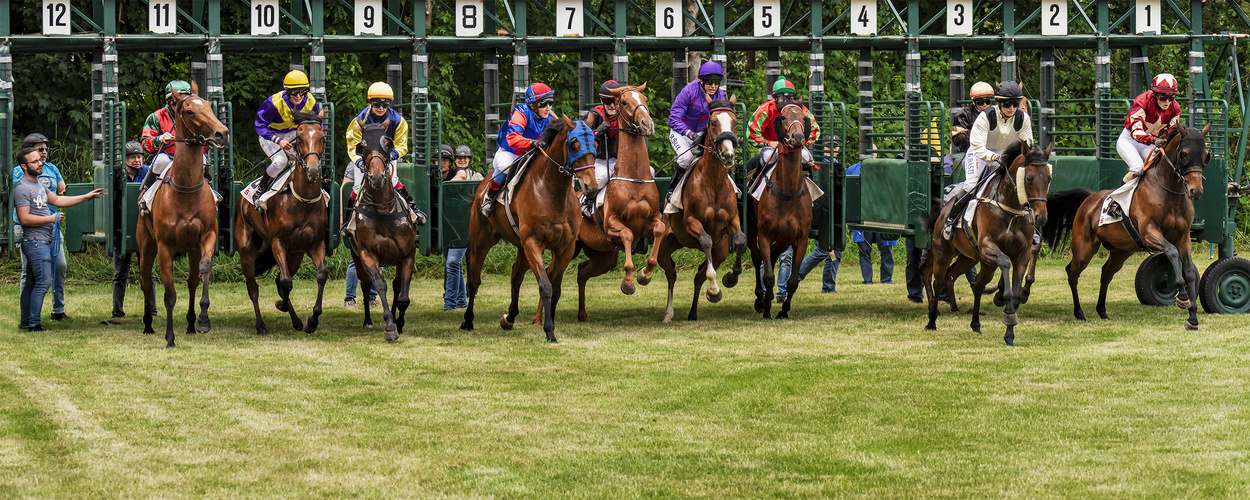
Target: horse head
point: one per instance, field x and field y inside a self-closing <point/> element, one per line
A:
<point x="632" y="110"/>
<point x="195" y="123"/>
<point x="375" y="151"/>
<point x="792" y="127"/>
<point x="1031" y="171"/>
<point x="720" y="135"/>
<point x="309" y="143"/>
<point x="578" y="153"/>
<point x="1186" y="150"/>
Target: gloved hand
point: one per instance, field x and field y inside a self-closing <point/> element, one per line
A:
<point x="539" y="144"/>
<point x="689" y="134"/>
<point x="1160" y="142"/>
<point x="603" y="127"/>
<point x="394" y="155"/>
<point x="421" y="219"/>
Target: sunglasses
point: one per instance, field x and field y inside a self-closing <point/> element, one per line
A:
<point x="712" y="81"/>
<point x="380" y="104"/>
<point x="983" y="101"/>
<point x="1009" y="103"/>
<point x="42" y="150"/>
<point x="1165" y="97"/>
<point x="608" y="102"/>
<point x="545" y="104"/>
<point x="297" y="92"/>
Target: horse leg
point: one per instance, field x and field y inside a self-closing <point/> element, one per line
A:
<point x="374" y="271"/>
<point x="287" y="263"/>
<point x="700" y="276"/>
<point x="768" y="279"/>
<point x="480" y="247"/>
<point x="597" y="263"/>
<point x="740" y="242"/>
<point x="519" y="267"/>
<point x="166" y="258"/>
<point x="956" y="270"/>
<point x="193" y="282"/>
<point x="555" y="273"/>
<point x="614" y="228"/>
<point x="318" y="255"/>
<point x="366" y="281"/>
<point x="1114" y="262"/>
<point x="983" y="279"/>
<point x="147" y="255"/>
<point x="792" y="283"/>
<point x="1020" y="264"/>
<point x="1191" y="279"/>
<point x="1034" y="252"/>
<point x="756" y="262"/>
<point x="207" y="246"/>
<point x="709" y="271"/>
<point x="670" y="273"/>
<point x="936" y="269"/>
<point x="533" y="254"/>
<point x="659" y="230"/>
<point x="403" y="278"/>
<point x="1084" y="245"/>
<point x="247" y="262"/>
<point x="1180" y="260"/>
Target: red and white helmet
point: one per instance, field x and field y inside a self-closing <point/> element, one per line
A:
<point x="1164" y="83"/>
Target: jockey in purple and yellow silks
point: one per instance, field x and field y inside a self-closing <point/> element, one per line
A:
<point x="276" y="126"/>
<point x="521" y="134"/>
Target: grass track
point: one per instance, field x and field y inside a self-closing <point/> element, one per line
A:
<point x="850" y="398"/>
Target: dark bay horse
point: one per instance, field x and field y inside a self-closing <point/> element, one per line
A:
<point x="183" y="219"/>
<point x="1004" y="222"/>
<point x="782" y="218"/>
<point x="631" y="205"/>
<point x="294" y="224"/>
<point x="710" y="214"/>
<point x="548" y="217"/>
<point x="385" y="235"/>
<point x="1162" y="211"/>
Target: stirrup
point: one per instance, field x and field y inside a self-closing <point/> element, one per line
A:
<point x="488" y="206"/>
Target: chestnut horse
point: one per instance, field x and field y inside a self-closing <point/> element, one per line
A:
<point x="782" y="218"/>
<point x="1006" y="217"/>
<point x="709" y="215"/>
<point x="384" y="235"/>
<point x="183" y="219"/>
<point x="1162" y="211"/>
<point x="548" y="217"/>
<point x="294" y="224"/>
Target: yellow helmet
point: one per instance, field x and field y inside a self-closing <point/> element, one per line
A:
<point x="380" y="90"/>
<point x="296" y="79"/>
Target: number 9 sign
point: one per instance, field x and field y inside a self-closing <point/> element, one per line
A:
<point x="469" y="15"/>
<point x="668" y="18"/>
<point x="368" y="17"/>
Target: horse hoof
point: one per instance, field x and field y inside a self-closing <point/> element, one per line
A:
<point x="1011" y="341"/>
<point x="391" y="333"/>
<point x="998" y="300"/>
<point x="768" y="316"/>
<point x="1190" y="326"/>
<point x="280" y="305"/>
<point x="297" y="325"/>
<point x="311" y="326"/>
<point x="203" y="326"/>
<point x="1011" y="319"/>
<point x="261" y="330"/>
<point x="149" y="331"/>
<point x="931" y="326"/>
<point x="783" y="315"/>
<point x="1079" y="315"/>
<point x="759" y="305"/>
<point x="730" y="280"/>
<point x="714" y="298"/>
<point x="627" y="289"/>
<point x="170" y="345"/>
<point x="504" y="323"/>
<point x="1183" y="304"/>
<point x="644" y="279"/>
<point x="466" y="326"/>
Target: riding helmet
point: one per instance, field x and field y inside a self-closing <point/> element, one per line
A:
<point x="463" y="151"/>
<point x="981" y="89"/>
<point x="133" y="148"/>
<point x="783" y="86"/>
<point x="295" y="79"/>
<point x="537" y="92"/>
<point x="180" y="86"/>
<point x="711" y="68"/>
<point x="1008" y="90"/>
<point x="445" y="152"/>
<point x="380" y="90"/>
<point x="33" y="139"/>
<point x="605" y="90"/>
<point x="1164" y="83"/>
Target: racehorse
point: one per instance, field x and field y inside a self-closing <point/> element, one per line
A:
<point x="1162" y="212"/>
<point x="547" y="217"/>
<point x="782" y="218"/>
<point x="384" y="235"/>
<point x="709" y="214"/>
<point x="294" y="224"/>
<point x="183" y="218"/>
<point x="631" y="204"/>
<point x="1004" y="221"/>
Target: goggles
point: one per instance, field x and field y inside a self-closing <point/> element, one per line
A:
<point x="380" y="103"/>
<point x="1008" y="103"/>
<point x="983" y="101"/>
<point x="1164" y="97"/>
<point x="608" y="101"/>
<point x="711" y="80"/>
<point x="42" y="150"/>
<point x="544" y="104"/>
<point x="297" y="92"/>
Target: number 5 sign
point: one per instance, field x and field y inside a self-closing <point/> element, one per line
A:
<point x="767" y="17"/>
<point x="469" y="16"/>
<point x="668" y="20"/>
<point x="863" y="17"/>
<point x="569" y="18"/>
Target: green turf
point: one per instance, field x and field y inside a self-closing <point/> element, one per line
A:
<point x="851" y="397"/>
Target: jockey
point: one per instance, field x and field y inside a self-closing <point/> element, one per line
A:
<point x="379" y="110"/>
<point x="157" y="136"/>
<point x="993" y="130"/>
<point x="1147" y="123"/>
<point x="761" y="128"/>
<point x="982" y="96"/>
<point x="602" y="119"/>
<point x="689" y="114"/>
<point x="518" y="136"/>
<point x="276" y="126"/>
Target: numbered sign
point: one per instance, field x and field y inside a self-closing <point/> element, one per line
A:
<point x="569" y="18"/>
<point x="162" y="16"/>
<point x="265" y="17"/>
<point x="863" y="17"/>
<point x="1054" y="17"/>
<point x="56" y="17"/>
<point x="767" y="17"/>
<point x="368" y="17"/>
<point x="470" y="15"/>
<point x="668" y="18"/>
<point x="959" y="17"/>
<point x="1149" y="16"/>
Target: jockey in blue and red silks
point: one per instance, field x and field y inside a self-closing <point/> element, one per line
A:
<point x="689" y="114"/>
<point x="519" y="135"/>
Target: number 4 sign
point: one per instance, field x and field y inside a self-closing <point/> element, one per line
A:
<point x="863" y="17"/>
<point x="569" y="18"/>
<point x="767" y="17"/>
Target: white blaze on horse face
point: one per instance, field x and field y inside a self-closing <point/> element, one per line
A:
<point x="726" y="125"/>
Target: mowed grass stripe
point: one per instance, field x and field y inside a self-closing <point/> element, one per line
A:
<point x="852" y="397"/>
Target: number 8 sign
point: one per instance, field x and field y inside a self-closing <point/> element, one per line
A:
<point x="668" y="18"/>
<point x="469" y="16"/>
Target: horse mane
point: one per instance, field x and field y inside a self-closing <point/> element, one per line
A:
<point x="553" y="129"/>
<point x="1013" y="151"/>
<point x="301" y="117"/>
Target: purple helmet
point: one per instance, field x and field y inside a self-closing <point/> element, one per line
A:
<point x="711" y="68"/>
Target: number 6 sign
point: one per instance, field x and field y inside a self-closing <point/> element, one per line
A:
<point x="668" y="18"/>
<point x="469" y="16"/>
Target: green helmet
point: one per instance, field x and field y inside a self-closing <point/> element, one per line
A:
<point x="783" y="86"/>
<point x="179" y="85"/>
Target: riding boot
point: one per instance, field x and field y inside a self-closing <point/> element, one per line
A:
<point x="679" y="173"/>
<point x="417" y="215"/>
<point x="488" y="201"/>
<point x="349" y="206"/>
<point x="956" y="212"/>
<point x="1130" y="176"/>
<point x="265" y="183"/>
<point x="148" y="180"/>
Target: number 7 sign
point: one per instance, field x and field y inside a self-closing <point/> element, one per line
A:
<point x="569" y="18"/>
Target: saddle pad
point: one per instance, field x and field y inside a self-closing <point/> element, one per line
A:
<point x="1122" y="196"/>
<point x="812" y="189"/>
<point x="150" y="194"/>
<point x="971" y="210"/>
<point x="675" y="203"/>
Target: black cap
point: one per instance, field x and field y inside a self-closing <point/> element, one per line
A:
<point x="445" y="151"/>
<point x="33" y="139"/>
<point x="133" y="148"/>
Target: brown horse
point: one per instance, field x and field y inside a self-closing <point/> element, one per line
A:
<point x="709" y="214"/>
<point x="631" y="204"/>
<point x="1004" y="222"/>
<point x="1162" y="211"/>
<point x="294" y="224"/>
<point x="183" y="219"/>
<point x="548" y="217"/>
<point x="384" y="235"/>
<point x="782" y="218"/>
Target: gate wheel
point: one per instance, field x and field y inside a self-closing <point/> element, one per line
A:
<point x="1156" y="282"/>
<point x="1225" y="286"/>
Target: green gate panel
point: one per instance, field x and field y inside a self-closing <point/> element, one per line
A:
<point x="851" y="199"/>
<point x="1213" y="221"/>
<point x="79" y="219"/>
<point x="455" y="204"/>
<point x="919" y="198"/>
<point x="883" y="193"/>
<point x="1072" y="172"/>
<point x="129" y="217"/>
<point x="1111" y="172"/>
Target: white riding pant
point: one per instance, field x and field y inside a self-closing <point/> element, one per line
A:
<point x="160" y="162"/>
<point x="277" y="160"/>
<point x="682" y="148"/>
<point x="503" y="161"/>
<point x="604" y="170"/>
<point x="1132" y="152"/>
<point x="768" y="155"/>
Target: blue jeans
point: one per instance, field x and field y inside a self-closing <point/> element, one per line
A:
<point x="454" y="295"/>
<point x="865" y="261"/>
<point x="58" y="282"/>
<point x="39" y="265"/>
<point x="352" y="281"/>
<point x="813" y="258"/>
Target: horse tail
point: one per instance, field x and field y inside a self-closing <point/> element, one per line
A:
<point x="1061" y="207"/>
<point x="264" y="261"/>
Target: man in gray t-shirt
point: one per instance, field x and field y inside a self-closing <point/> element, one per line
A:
<point x="31" y="199"/>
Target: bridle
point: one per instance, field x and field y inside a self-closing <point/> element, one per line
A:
<point x="386" y="172"/>
<point x="1176" y="169"/>
<point x="194" y="140"/>
<point x="787" y="128"/>
<point x="724" y="135"/>
<point x="632" y="118"/>
<point x="585" y="146"/>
